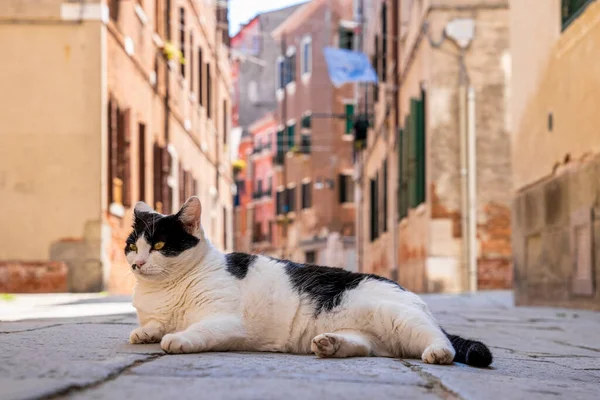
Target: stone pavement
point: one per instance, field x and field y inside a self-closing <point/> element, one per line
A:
<point x="74" y="346"/>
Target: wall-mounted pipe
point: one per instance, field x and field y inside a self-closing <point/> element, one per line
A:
<point x="472" y="190"/>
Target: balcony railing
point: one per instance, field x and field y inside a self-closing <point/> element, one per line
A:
<point x="260" y="148"/>
<point x="259" y="194"/>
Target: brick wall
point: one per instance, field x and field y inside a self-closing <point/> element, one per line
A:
<point x="33" y="276"/>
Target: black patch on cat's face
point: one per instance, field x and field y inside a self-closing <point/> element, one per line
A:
<point x="160" y="228"/>
<point x="326" y="286"/>
<point x="238" y="264"/>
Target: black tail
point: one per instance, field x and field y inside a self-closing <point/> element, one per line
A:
<point x="470" y="352"/>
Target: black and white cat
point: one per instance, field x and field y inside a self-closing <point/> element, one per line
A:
<point x="191" y="298"/>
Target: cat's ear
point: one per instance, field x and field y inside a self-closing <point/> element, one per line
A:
<point x="190" y="214"/>
<point x="141" y="207"/>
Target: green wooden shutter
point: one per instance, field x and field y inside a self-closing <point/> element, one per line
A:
<point x="291" y="131"/>
<point x="412" y="145"/>
<point x="420" y="151"/>
<point x="399" y="188"/>
<point x="349" y="108"/>
<point x="280" y="143"/>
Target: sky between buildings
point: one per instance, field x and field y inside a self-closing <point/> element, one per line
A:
<point x="241" y="11"/>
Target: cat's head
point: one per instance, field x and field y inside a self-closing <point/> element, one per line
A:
<point x="161" y="247"/>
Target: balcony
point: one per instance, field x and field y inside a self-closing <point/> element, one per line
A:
<point x="279" y="158"/>
<point x="260" y="194"/>
<point x="260" y="148"/>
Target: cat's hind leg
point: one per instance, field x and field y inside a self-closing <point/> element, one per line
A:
<point x="342" y="343"/>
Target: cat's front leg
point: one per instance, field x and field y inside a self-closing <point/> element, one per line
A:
<point x="152" y="332"/>
<point x="213" y="333"/>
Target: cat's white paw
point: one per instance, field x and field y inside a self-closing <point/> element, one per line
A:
<point x="438" y="354"/>
<point x="325" y="345"/>
<point x="177" y="343"/>
<point x="144" y="335"/>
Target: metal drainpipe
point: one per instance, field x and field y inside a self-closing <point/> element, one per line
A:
<point x="472" y="193"/>
<point x="359" y="154"/>
<point x="462" y="109"/>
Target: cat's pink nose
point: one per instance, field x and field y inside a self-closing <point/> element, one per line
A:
<point x="140" y="263"/>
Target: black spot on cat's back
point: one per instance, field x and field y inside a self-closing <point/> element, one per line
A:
<point x="326" y="286"/>
<point x="239" y="263"/>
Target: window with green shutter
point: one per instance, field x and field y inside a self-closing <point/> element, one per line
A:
<point x="416" y="137"/>
<point x="280" y="148"/>
<point x="346" y="40"/>
<point x="305" y="144"/>
<point x="571" y="9"/>
<point x="420" y="156"/>
<point x="306" y="121"/>
<point x="402" y="189"/>
<point x="384" y="199"/>
<point x="374" y="208"/>
<point x="349" y="110"/>
<point x="290" y="136"/>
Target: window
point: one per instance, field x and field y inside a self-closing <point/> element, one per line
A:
<point x="281" y="201"/>
<point x="200" y="86"/>
<point x="346" y="38"/>
<point x="182" y="178"/>
<point x="280" y="156"/>
<point x="119" y="143"/>
<point x="305" y="144"/>
<point x="259" y="188"/>
<point x="256" y="42"/>
<point x="164" y="164"/>
<point x="402" y="194"/>
<point x="349" y="111"/>
<point x="290" y="66"/>
<point x="269" y="188"/>
<point x="191" y="63"/>
<point x="281" y="76"/>
<point x="291" y="199"/>
<point x="346" y="189"/>
<point x="377" y="69"/>
<point x="158" y="17"/>
<point x="306" y="56"/>
<point x="291" y="129"/>
<point x="257" y="235"/>
<point x="384" y="42"/>
<point x="182" y="38"/>
<point x="208" y="92"/>
<point x="310" y="257"/>
<point x="158" y="177"/>
<point x="113" y="9"/>
<point x="306" y="121"/>
<point x="306" y="195"/>
<point x="571" y="9"/>
<point x="374" y="209"/>
<point x="411" y="153"/>
<point x="384" y="198"/>
<point x="417" y="149"/>
<point x="142" y="162"/>
<point x="225" y="122"/>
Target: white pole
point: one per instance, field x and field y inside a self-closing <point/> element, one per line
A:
<point x="472" y="192"/>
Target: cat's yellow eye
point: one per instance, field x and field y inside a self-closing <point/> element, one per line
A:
<point x="159" y="245"/>
<point x="132" y="247"/>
